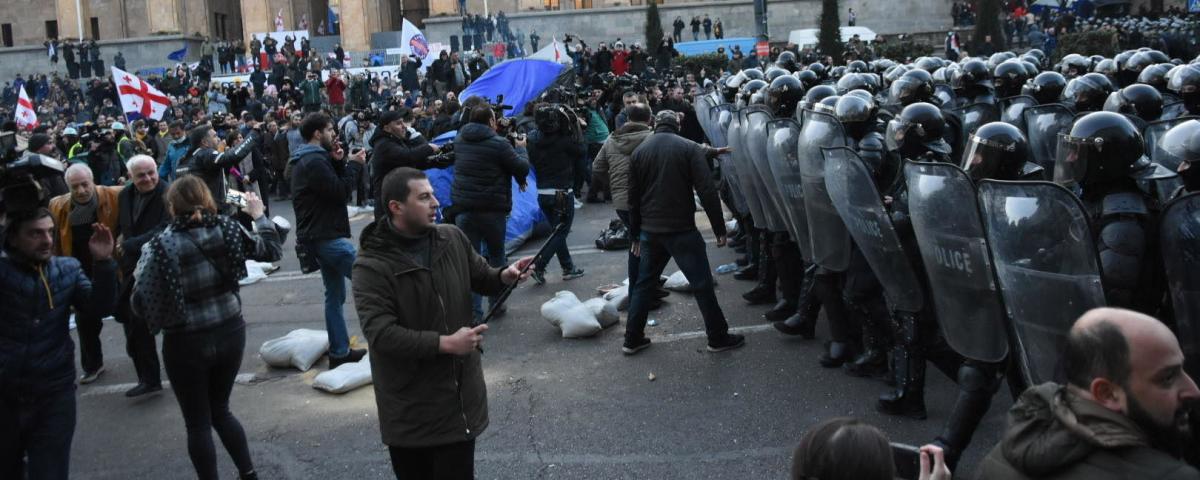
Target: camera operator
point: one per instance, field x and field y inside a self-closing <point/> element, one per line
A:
<point x="37" y="293"/>
<point x="395" y="145"/>
<point x="554" y="156"/>
<point x="210" y="165"/>
<point x="354" y="130"/>
<point x="485" y="166"/>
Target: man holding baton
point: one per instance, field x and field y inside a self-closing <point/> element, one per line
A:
<point x="412" y="286"/>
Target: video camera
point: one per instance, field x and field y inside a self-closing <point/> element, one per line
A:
<point x="504" y="124"/>
<point x="21" y="188"/>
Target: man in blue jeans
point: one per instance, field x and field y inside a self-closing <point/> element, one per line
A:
<point x="664" y="171"/>
<point x="323" y="178"/>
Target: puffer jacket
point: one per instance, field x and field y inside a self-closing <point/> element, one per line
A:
<point x="391" y="152"/>
<point x="176" y="150"/>
<point x="553" y="158"/>
<point x="484" y="167"/>
<point x="37" y="355"/>
<point x="612" y="162"/>
<point x="1056" y="434"/>
<point x="425" y="398"/>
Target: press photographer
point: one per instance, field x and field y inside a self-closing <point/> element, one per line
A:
<point x="554" y="156"/>
<point x="396" y="145"/>
<point x="210" y="164"/>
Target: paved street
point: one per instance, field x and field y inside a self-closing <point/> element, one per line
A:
<point x="559" y="408"/>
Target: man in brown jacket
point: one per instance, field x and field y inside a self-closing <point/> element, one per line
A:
<point x="1122" y="415"/>
<point x="74" y="214"/>
<point x="612" y="164"/>
<point x="412" y="286"/>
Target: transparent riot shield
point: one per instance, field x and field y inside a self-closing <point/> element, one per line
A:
<point x="1046" y="264"/>
<point x="827" y="233"/>
<point x="962" y="280"/>
<point x="782" y="137"/>
<point x="1154" y="132"/>
<point x="703" y="108"/>
<point x="1012" y="110"/>
<point x="1043" y="123"/>
<point x="1180" y="242"/>
<point x="853" y="193"/>
<point x="976" y="115"/>
<point x="723" y="116"/>
<point x="743" y="171"/>
<point x="1173" y="108"/>
<point x="756" y="142"/>
<point x="944" y="96"/>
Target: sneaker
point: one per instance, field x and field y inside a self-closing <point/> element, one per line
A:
<point x="635" y="347"/>
<point x="89" y="377"/>
<point x="354" y="356"/>
<point x="142" y="389"/>
<point x="572" y="274"/>
<point x="730" y="342"/>
<point x="539" y="277"/>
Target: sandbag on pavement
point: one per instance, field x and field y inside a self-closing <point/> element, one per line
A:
<point x="606" y="315"/>
<point x="345" y="378"/>
<point x="300" y="348"/>
<point x="566" y="312"/>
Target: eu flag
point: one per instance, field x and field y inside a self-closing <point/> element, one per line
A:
<point x="178" y="55"/>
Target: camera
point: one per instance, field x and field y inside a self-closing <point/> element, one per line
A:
<point x="21" y="186"/>
<point x="445" y="156"/>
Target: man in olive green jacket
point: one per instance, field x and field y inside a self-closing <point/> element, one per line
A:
<point x="412" y="286"/>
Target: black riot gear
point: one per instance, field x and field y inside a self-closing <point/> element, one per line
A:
<point x="1075" y="65"/>
<point x="837" y="72"/>
<point x="827" y="104"/>
<point x="733" y="85"/>
<point x="808" y="78"/>
<point x="783" y="95"/>
<point x="1123" y="75"/>
<point x="928" y="64"/>
<point x="999" y="151"/>
<point x="819" y="69"/>
<point x="816" y="94"/>
<point x="1087" y="93"/>
<point x="1185" y="82"/>
<point x="882" y="65"/>
<point x="1179" y="150"/>
<point x="1108" y="67"/>
<point x="1101" y="147"/>
<point x="857" y="66"/>
<point x="1138" y="100"/>
<point x="913" y="87"/>
<point x="753" y="74"/>
<point x="774" y="72"/>
<point x="1009" y="77"/>
<point x="1046" y="87"/>
<point x="856" y="114"/>
<point x="999" y="57"/>
<point x="787" y="61"/>
<point x="1156" y="76"/>
<point x="749" y="89"/>
<point x="973" y="73"/>
<point x="919" y="129"/>
<point x="852" y="81"/>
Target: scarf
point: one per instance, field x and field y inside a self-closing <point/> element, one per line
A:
<point x="83" y="213"/>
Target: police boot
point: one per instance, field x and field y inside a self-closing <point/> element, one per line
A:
<point x="873" y="361"/>
<point x="788" y="270"/>
<point x="977" y="384"/>
<point x="845" y="336"/>
<point x="764" y="291"/>
<point x="908" y="399"/>
<point x="750" y="271"/>
<point x="804" y="322"/>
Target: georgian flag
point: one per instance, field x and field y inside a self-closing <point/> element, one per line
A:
<point x="138" y="98"/>
<point x="26" y="118"/>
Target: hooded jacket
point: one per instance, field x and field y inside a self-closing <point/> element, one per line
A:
<point x="1055" y="434"/>
<point x="484" y="167"/>
<point x="320" y="189"/>
<point x="613" y="160"/>
<point x="425" y="398"/>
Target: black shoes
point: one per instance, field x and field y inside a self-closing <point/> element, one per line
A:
<point x="762" y="294"/>
<point x="633" y="348"/>
<point x="354" y="356"/>
<point x="142" y="389"/>
<point x="783" y="310"/>
<point x="746" y="273"/>
<point x="798" y="325"/>
<point x="730" y="342"/>
<point x="871" y="363"/>
<point x="899" y="403"/>
<point x="837" y="354"/>
<point x="89" y="377"/>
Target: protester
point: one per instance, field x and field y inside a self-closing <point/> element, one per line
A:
<point x="486" y="165"/>
<point x="186" y="285"/>
<point x="612" y="165"/>
<point x="75" y="217"/>
<point x="1122" y="414"/>
<point x="323" y="178"/>
<point x="847" y="449"/>
<point x="395" y="146"/>
<point x="425" y="353"/>
<point x="143" y="214"/>
<point x="210" y="158"/>
<point x="38" y="291"/>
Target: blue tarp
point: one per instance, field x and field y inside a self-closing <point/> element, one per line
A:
<point x="710" y="46"/>
<point x="519" y="80"/>
<point x="525" y="215"/>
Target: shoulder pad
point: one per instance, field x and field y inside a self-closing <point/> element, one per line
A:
<point x="872" y="141"/>
<point x="1124" y="203"/>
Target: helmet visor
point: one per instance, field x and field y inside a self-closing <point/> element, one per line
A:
<point x="1074" y="154"/>
<point x="984" y="158"/>
<point x="899" y="132"/>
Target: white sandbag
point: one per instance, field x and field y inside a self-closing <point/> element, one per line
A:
<point x="617" y="292"/>
<point x="345" y="377"/>
<point x="579" y="322"/>
<point x="555" y="309"/>
<point x="300" y="348"/>
<point x="605" y="314"/>
<point x="255" y="271"/>
<point x="678" y="282"/>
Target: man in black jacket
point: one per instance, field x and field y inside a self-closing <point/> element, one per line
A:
<point x="409" y="67"/>
<point x="209" y="164"/>
<point x="664" y="171"/>
<point x="394" y="146"/>
<point x="484" y="169"/>
<point x="321" y="185"/>
<point x="554" y="156"/>
<point x="142" y="214"/>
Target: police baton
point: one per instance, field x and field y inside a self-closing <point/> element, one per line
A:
<point x="561" y="201"/>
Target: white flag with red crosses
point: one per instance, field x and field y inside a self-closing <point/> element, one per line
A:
<point x="26" y="117"/>
<point x="138" y="98"/>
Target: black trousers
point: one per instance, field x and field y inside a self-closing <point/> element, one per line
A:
<point x="91" y="356"/>
<point x="139" y="343"/>
<point x="455" y="461"/>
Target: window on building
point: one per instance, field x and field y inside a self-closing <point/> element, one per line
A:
<point x="220" y="22"/>
<point x="95" y="28"/>
<point x="6" y="32"/>
<point x="550" y="4"/>
<point x="583" y="4"/>
<point x="51" y="28"/>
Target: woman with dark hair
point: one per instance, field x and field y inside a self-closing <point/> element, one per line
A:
<point x="845" y="448"/>
<point x="186" y="285"/>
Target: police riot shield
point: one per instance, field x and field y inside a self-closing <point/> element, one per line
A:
<point x="853" y="193"/>
<point x="827" y="233"/>
<point x="768" y="193"/>
<point x="976" y="115"/>
<point x="720" y="116"/>
<point x="962" y="280"/>
<point x="1153" y="132"/>
<point x="742" y="174"/>
<point x="1173" y="108"/>
<point x="1180" y="241"/>
<point x="1046" y="265"/>
<point x="944" y="96"/>
<point x="703" y="106"/>
<point x="782" y="156"/>
<point x="1043" y="123"/>
<point x="1012" y="110"/>
<point x="723" y="116"/>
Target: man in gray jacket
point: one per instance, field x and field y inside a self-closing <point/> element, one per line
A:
<point x="612" y="164"/>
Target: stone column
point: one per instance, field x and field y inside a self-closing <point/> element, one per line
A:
<point x="73" y="17"/>
<point x="356" y="24"/>
<point x="256" y="17"/>
<point x="163" y="16"/>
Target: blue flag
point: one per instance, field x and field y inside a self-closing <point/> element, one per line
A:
<point x="178" y="55"/>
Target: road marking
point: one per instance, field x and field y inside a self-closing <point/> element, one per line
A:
<point x="675" y="337"/>
<point x="242" y="378"/>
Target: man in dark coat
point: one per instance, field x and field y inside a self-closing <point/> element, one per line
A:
<point x="394" y="147"/>
<point x="142" y="215"/>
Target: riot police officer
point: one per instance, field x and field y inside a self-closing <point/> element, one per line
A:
<point x="1046" y="87"/>
<point x="1138" y="101"/>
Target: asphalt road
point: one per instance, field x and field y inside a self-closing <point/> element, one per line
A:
<point x="559" y="408"/>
